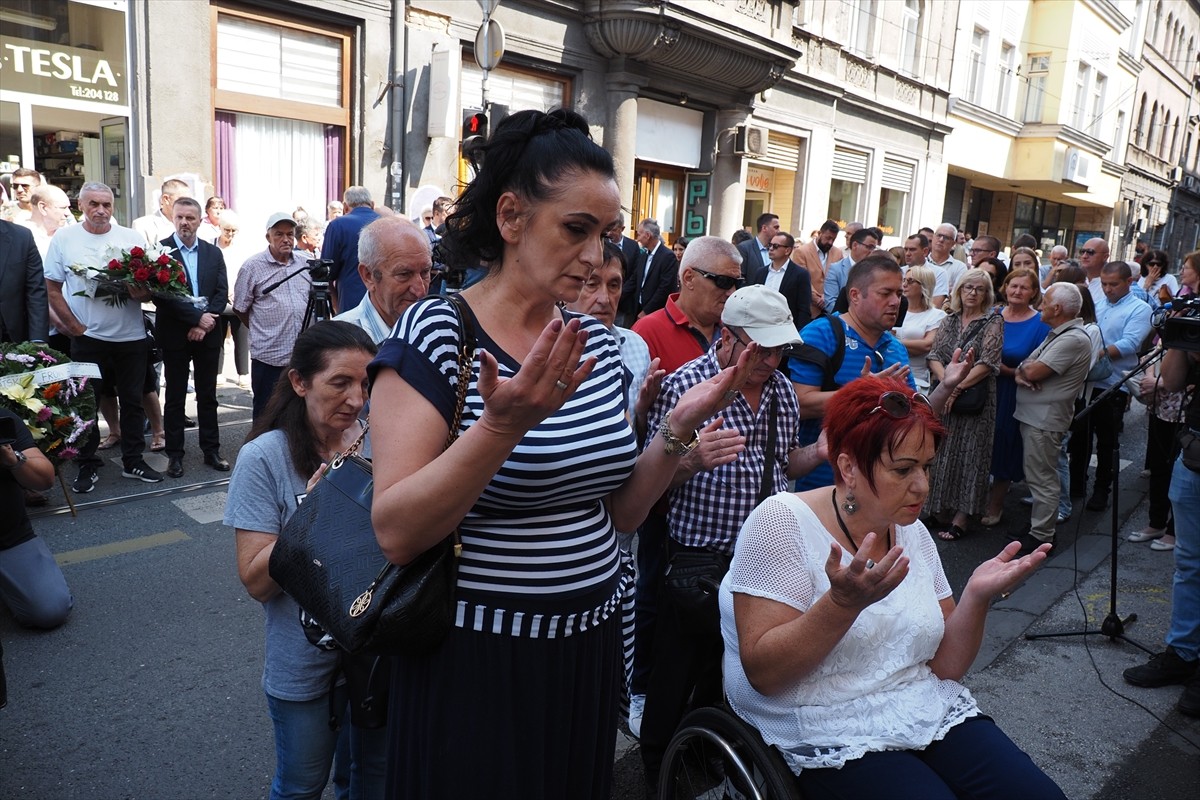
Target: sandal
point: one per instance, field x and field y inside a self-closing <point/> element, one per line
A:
<point x="992" y="520"/>
<point x="951" y="534"/>
<point x="110" y="441"/>
<point x="158" y="442"/>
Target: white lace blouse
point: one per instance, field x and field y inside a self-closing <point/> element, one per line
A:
<point x="875" y="690"/>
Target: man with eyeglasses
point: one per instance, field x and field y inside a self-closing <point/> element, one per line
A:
<point x="684" y="329"/>
<point x="983" y="248"/>
<point x="24" y="182"/>
<point x="747" y="452"/>
<point x="940" y="255"/>
<point x="788" y="278"/>
<point x="862" y="244"/>
<point x="1092" y="257"/>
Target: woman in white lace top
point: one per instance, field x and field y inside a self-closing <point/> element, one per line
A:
<point x="843" y="643"/>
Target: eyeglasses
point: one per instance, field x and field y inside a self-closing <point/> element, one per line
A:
<point x="976" y="251"/>
<point x="945" y="237"/>
<point x="723" y="282"/>
<point x="768" y="352"/>
<point x="1155" y="264"/>
<point x="898" y="405"/>
<point x="864" y="245"/>
<point x="427" y="219"/>
<point x="1087" y="251"/>
<point x="779" y="246"/>
<point x="973" y="289"/>
<point x="22" y="186"/>
<point x="907" y="281"/>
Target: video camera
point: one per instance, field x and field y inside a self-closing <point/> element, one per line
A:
<point x="320" y="269"/>
<point x="1178" y="324"/>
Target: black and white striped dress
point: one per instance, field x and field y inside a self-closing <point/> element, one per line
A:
<point x="536" y="647"/>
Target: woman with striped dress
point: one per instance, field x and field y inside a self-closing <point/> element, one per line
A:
<point x="521" y="700"/>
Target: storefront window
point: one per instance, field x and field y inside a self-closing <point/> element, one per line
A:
<point x="892" y="205"/>
<point x="843" y="201"/>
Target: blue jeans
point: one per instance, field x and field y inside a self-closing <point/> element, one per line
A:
<point x="33" y="586"/>
<point x="305" y="747"/>
<point x="1184" y="633"/>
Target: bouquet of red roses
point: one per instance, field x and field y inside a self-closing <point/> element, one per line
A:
<point x="150" y="268"/>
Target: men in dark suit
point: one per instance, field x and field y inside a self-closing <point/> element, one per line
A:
<point x="629" y="247"/>
<point x="655" y="274"/>
<point x="754" y="252"/>
<point x="23" y="305"/>
<point x="788" y="278"/>
<point x="189" y="337"/>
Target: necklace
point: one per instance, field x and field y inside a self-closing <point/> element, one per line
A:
<point x="842" y="524"/>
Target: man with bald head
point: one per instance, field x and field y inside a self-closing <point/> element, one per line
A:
<point x="1092" y="257"/>
<point x="161" y="224"/>
<point x="50" y="209"/>
<point x="395" y="265"/>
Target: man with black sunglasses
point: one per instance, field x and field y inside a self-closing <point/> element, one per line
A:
<point x="1092" y="257"/>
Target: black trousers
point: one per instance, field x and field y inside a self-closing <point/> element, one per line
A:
<point x="122" y="365"/>
<point x="1104" y="423"/>
<point x="202" y="358"/>
<point x="686" y="672"/>
<point x="1162" y="448"/>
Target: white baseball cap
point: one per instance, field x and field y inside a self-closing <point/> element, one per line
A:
<point x="763" y="314"/>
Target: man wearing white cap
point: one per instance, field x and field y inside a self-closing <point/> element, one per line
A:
<point x="274" y="320"/>
<point x="747" y="453"/>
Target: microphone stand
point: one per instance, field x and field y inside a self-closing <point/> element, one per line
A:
<point x="1113" y="626"/>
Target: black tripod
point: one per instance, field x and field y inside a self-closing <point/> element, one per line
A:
<point x="319" y="307"/>
<point x="1113" y="626"/>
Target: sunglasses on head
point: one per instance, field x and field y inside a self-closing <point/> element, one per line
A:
<point x="898" y="405"/>
<point x="723" y="282"/>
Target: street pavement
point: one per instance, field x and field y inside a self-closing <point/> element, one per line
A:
<point x="152" y="688"/>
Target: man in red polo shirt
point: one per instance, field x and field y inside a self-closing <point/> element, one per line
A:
<point x="683" y="330"/>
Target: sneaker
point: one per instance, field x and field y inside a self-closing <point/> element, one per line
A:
<point x="1189" y="701"/>
<point x="1163" y="669"/>
<point x="141" y="471"/>
<point x="85" y="481"/>
<point x="637" y="706"/>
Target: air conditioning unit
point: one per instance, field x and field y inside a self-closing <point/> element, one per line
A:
<point x="750" y="141"/>
<point x="1076" y="166"/>
<point x="1176" y="174"/>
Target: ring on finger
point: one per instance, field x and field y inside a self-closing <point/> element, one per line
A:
<point x="870" y="564"/>
<point x="560" y="385"/>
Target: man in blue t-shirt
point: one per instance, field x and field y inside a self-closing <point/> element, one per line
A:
<point x="874" y="294"/>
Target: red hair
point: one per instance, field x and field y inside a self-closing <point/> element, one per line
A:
<point x="851" y="428"/>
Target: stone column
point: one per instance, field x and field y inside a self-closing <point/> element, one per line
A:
<point x="620" y="134"/>
<point x="728" y="188"/>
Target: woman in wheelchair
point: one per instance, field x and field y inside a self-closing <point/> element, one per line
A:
<point x="843" y="643"/>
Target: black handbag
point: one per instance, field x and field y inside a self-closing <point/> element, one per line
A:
<point x="328" y="559"/>
<point x="972" y="400"/>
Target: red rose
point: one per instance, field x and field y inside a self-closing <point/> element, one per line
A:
<point x="136" y="264"/>
<point x="163" y="260"/>
<point x="141" y="275"/>
<point x="182" y="277"/>
<point x="137" y="252"/>
<point x="164" y="276"/>
<point x="114" y="265"/>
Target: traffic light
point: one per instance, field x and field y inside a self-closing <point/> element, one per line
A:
<point x="474" y="134"/>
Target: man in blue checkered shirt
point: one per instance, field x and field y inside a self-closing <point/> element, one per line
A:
<point x="733" y="468"/>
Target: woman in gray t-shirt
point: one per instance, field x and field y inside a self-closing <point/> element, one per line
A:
<point x="312" y="414"/>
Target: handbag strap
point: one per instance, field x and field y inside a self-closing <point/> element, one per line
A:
<point x="768" y="482"/>
<point x="979" y="327"/>
<point x="466" y="357"/>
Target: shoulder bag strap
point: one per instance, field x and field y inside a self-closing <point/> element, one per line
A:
<point x="767" y="485"/>
<point x="466" y="357"/>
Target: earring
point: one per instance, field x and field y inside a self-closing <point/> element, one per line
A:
<point x="849" y="505"/>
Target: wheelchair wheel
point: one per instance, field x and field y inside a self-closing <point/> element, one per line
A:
<point x="716" y="756"/>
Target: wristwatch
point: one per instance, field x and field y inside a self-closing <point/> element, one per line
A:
<point x="21" y="459"/>
<point x="672" y="443"/>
